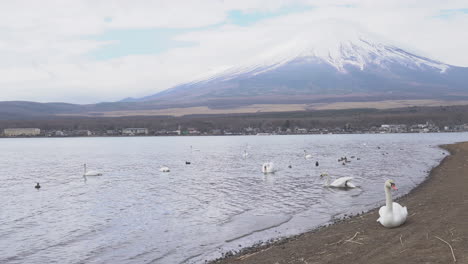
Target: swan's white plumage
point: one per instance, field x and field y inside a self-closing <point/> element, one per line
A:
<point x="343" y="182"/>
<point x="396" y="218"/>
<point x="268" y="167"/>
<point x="91" y="173"/>
<point x="164" y="169"/>
<point x="394" y="215"/>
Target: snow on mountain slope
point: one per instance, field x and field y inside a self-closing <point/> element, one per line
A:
<point x="331" y="60"/>
<point x="336" y="46"/>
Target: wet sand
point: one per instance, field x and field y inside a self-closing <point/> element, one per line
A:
<point x="437" y="222"/>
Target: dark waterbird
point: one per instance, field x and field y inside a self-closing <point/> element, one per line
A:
<point x="37" y="186"/>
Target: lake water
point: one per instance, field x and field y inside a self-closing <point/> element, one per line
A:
<point x="221" y="201"/>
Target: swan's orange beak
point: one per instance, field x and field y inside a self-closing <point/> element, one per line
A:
<point x="394" y="187"/>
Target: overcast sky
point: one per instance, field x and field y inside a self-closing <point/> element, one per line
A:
<point x="86" y="51"/>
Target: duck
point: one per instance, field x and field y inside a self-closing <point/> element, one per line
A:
<point x="343" y="182"/>
<point x="37" y="186"/>
<point x="268" y="167"/>
<point x="392" y="214"/>
<point x="164" y="169"/>
<point x="91" y="173"/>
<point x="187" y="163"/>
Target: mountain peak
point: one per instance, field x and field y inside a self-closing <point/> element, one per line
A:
<point x="335" y="44"/>
<point x="355" y="49"/>
<point x="329" y="61"/>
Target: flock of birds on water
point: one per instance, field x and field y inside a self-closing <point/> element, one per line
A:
<point x="392" y="214"/>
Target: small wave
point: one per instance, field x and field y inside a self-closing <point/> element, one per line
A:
<point x="253" y="231"/>
<point x="153" y="260"/>
<point x="190" y="258"/>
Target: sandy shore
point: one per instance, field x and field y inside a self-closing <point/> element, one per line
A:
<point x="437" y="222"/>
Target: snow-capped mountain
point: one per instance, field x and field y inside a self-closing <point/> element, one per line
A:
<point x="326" y="64"/>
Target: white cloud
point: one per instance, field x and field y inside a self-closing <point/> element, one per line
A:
<point x="45" y="45"/>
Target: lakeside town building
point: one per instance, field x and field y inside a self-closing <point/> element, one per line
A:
<point x="134" y="131"/>
<point x="428" y="127"/>
<point x="15" y="132"/>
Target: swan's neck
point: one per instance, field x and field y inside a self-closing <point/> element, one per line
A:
<point x="388" y="199"/>
<point x="328" y="179"/>
<point x="84" y="168"/>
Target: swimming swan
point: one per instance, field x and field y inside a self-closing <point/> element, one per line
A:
<point x="307" y="156"/>
<point x="343" y="182"/>
<point x="392" y="214"/>
<point x="91" y="173"/>
<point x="164" y="169"/>
<point x="268" y="167"/>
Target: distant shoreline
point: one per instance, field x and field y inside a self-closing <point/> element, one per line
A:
<point x="438" y="209"/>
<point x="214" y="135"/>
<point x="356" y="121"/>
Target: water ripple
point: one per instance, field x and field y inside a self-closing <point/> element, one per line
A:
<point x="136" y="214"/>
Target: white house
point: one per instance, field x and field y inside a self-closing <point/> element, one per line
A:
<point x="13" y="132"/>
<point x="134" y="131"/>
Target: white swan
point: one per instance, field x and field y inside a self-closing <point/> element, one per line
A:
<point x="392" y="214"/>
<point x="307" y="156"/>
<point x="245" y="154"/>
<point x="343" y="182"/>
<point x="91" y="173"/>
<point x="164" y="169"/>
<point x="193" y="149"/>
<point x="268" y="167"/>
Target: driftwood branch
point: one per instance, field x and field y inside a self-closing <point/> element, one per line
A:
<point x="334" y="243"/>
<point x="352" y="241"/>
<point x="451" y="249"/>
